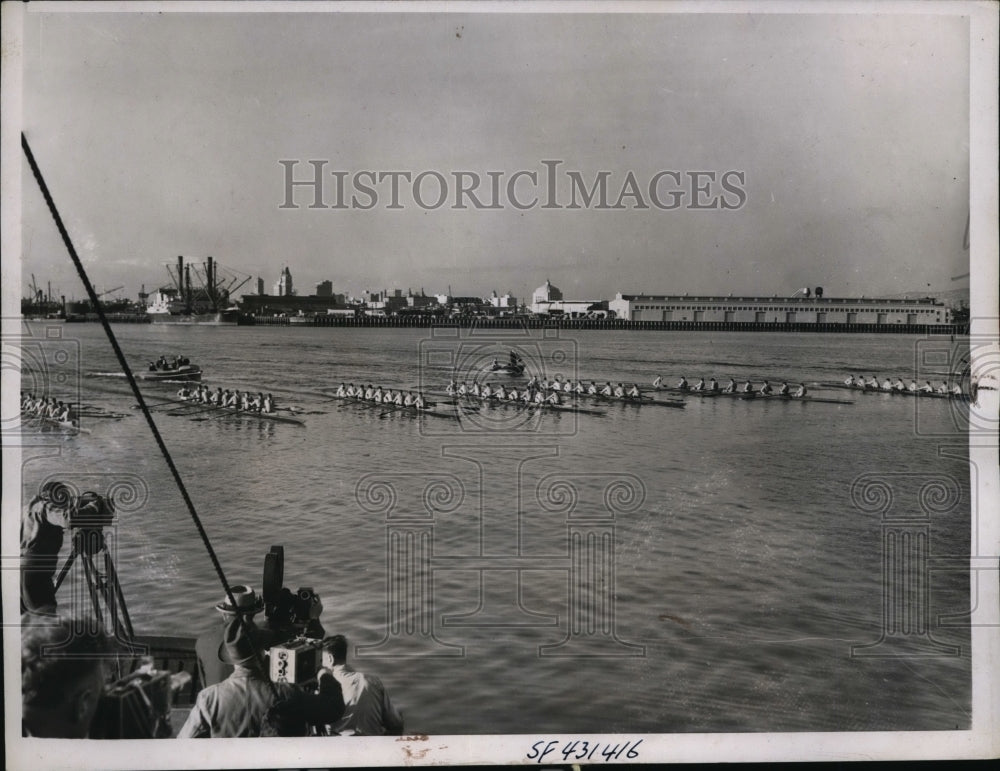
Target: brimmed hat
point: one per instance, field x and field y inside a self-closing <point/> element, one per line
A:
<point x="239" y="641"/>
<point x="247" y="601"/>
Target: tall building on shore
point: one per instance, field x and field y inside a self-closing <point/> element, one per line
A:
<point x="283" y="288"/>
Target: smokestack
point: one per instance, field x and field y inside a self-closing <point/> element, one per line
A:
<point x="180" y="273"/>
<point x="187" y="282"/>
<point x="211" y="276"/>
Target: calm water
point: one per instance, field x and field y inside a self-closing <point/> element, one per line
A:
<point x="746" y="572"/>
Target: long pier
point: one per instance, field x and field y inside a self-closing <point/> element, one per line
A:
<point x="423" y="321"/>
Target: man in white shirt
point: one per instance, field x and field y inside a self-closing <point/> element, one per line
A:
<point x="368" y="709"/>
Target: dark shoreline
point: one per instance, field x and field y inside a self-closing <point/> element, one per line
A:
<point x="427" y="321"/>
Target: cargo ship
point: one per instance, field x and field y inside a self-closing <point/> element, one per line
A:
<point x="201" y="298"/>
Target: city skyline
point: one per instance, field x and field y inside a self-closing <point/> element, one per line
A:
<point x="165" y="134"/>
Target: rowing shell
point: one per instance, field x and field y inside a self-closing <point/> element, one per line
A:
<point x="495" y="402"/>
<point x="66" y="425"/>
<point x="641" y="401"/>
<point x="789" y="398"/>
<point x="893" y="392"/>
<point x="390" y="406"/>
<point x="235" y="411"/>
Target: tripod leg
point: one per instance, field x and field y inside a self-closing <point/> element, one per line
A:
<point x="90" y="571"/>
<point x="68" y="563"/>
<point x="115" y="599"/>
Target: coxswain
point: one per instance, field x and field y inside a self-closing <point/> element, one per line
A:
<point x="418" y="402"/>
<point x="730" y="387"/>
<point x="801" y="391"/>
<point x="607" y="390"/>
<point x="850" y="381"/>
<point x="713" y="385"/>
<point x="553" y="399"/>
<point x="619" y="392"/>
<point x="783" y="390"/>
<point x="633" y="392"/>
<point x="592" y="388"/>
<point x="765" y="390"/>
<point x="700" y="385"/>
<point x="927" y="388"/>
<point x="658" y="381"/>
<point x="683" y="385"/>
<point x="268" y="405"/>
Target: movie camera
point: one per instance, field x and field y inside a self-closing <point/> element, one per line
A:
<point x="294" y="616"/>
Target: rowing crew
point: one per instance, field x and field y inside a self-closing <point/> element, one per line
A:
<point x="873" y="384"/>
<point x="245" y="402"/>
<point x="527" y="395"/>
<point x="380" y="395"/>
<point x="51" y="408"/>
<point x="731" y="387"/>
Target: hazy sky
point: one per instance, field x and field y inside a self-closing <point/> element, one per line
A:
<point x="160" y="135"/>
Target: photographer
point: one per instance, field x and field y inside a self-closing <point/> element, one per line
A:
<point x="214" y="663"/>
<point x="238" y="706"/>
<point x="368" y="709"/>
<point x="62" y="676"/>
<point x="42" y="526"/>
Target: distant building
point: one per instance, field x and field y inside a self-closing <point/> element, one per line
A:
<point x="503" y="301"/>
<point x="782" y="310"/>
<point x="546" y="293"/>
<point x="260" y="285"/>
<point x="284" y="286"/>
<point x="324" y="289"/>
<point x="548" y="300"/>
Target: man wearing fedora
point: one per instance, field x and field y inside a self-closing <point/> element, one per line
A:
<point x="214" y="661"/>
<point x="238" y="706"/>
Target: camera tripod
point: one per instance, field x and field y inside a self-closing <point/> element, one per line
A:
<point x="103" y="586"/>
